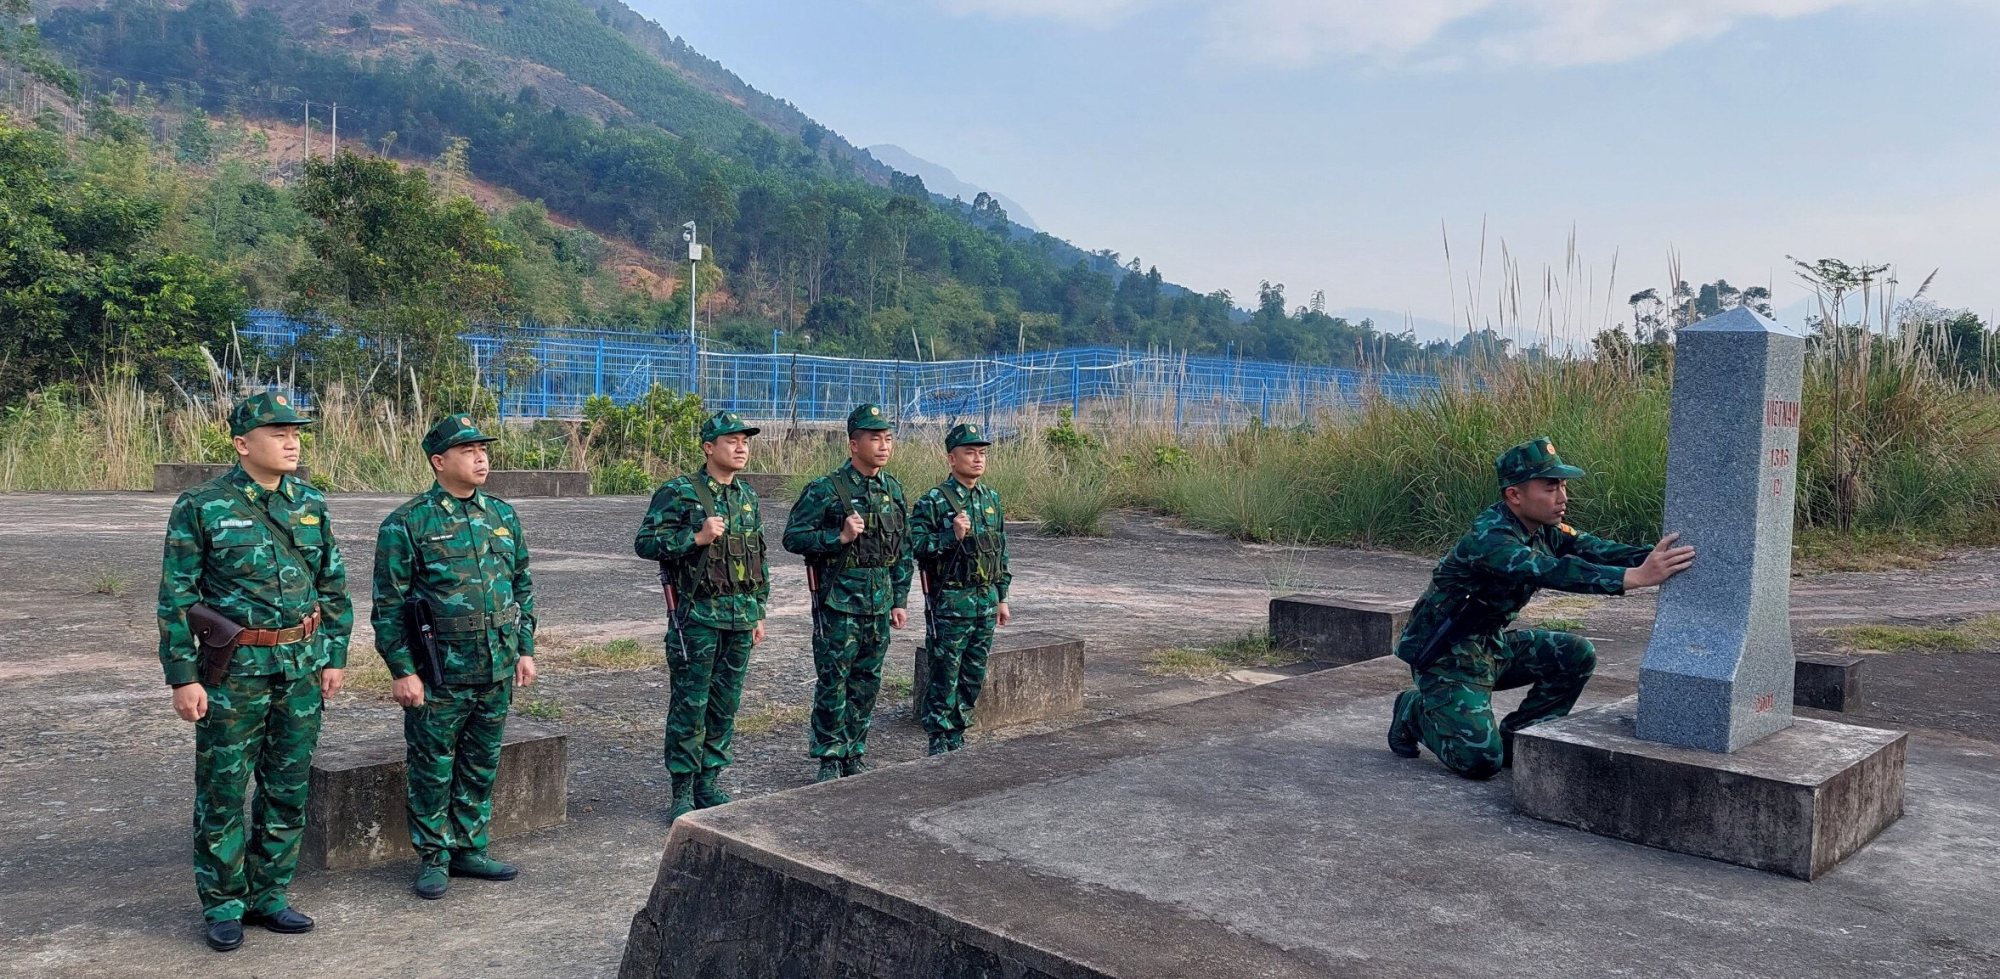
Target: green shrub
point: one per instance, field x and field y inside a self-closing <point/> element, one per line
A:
<point x="622" y="477"/>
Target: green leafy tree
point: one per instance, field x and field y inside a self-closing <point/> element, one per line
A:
<point x="83" y="288"/>
<point x="395" y="264"/>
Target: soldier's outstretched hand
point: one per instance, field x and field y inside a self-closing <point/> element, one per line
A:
<point x="1665" y="562"/>
<point x="191" y="701"/>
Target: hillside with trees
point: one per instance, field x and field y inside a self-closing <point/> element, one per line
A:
<point x="806" y="234"/>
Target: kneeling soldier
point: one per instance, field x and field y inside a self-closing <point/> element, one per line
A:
<point x="461" y="553"/>
<point x="254" y="619"/>
<point x="1454" y="643"/>
<point x="706" y="531"/>
<point x="852" y="526"/>
<point x="959" y="533"/>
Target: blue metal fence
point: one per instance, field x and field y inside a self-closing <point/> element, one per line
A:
<point x="548" y="372"/>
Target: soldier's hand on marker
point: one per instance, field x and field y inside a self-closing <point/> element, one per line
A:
<point x="524" y="671"/>
<point x="191" y="701"/>
<point x="408" y="691"/>
<point x="1665" y="562"/>
<point x="757" y="634"/>
<point x="961" y="525"/>
<point x="898" y="618"/>
<point x="710" y="530"/>
<point x="330" y="682"/>
<point x="1004" y="616"/>
<point x="853" y="528"/>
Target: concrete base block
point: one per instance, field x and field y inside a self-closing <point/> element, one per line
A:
<point x="1827" y="682"/>
<point x="179" y="477"/>
<point x="1029" y="676"/>
<point x="518" y="484"/>
<point x="769" y="486"/>
<point x="356" y="816"/>
<point x="1337" y="630"/>
<point x="1796" y="802"/>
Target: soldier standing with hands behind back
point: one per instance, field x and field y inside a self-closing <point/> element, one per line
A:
<point x="254" y="620"/>
<point x="852" y="527"/>
<point x="461" y="552"/>
<point x="959" y="531"/>
<point x="707" y="532"/>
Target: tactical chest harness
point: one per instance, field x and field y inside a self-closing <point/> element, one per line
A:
<point x="975" y="561"/>
<point x="732" y="564"/>
<point x="881" y="542"/>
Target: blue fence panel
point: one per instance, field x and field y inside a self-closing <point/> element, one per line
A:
<point x="548" y="372"/>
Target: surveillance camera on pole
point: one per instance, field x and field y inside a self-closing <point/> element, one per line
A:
<point x="694" y="256"/>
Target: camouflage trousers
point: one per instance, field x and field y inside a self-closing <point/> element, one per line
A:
<point x="266" y="726"/>
<point x="1452" y="713"/>
<point x="957" y="648"/>
<point x="706" y="666"/>
<point x="847" y="653"/>
<point x="453" y="753"/>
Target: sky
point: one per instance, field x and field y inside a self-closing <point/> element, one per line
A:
<point x="1338" y="145"/>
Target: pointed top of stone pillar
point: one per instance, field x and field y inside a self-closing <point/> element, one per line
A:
<point x="1742" y="319"/>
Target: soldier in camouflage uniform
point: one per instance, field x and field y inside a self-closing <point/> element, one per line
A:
<point x="255" y="546"/>
<point x="1517" y="546"/>
<point x="852" y="526"/>
<point x="461" y="551"/>
<point x="706" y="531"/>
<point x="958" y="532"/>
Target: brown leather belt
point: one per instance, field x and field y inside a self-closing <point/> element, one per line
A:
<point x="280" y="637"/>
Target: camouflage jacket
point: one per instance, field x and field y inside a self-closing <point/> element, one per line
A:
<point x="947" y="560"/>
<point x="470" y="560"/>
<point x="1498" y="566"/>
<point x="814" y="531"/>
<point x="221" y="554"/>
<point x="667" y="534"/>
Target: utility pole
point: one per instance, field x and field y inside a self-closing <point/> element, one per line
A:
<point x="306" y="133"/>
<point x="335" y="152"/>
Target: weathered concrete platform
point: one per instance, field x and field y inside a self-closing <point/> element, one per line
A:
<point x="1337" y="630"/>
<point x="519" y="484"/>
<point x="355" y="815"/>
<point x="1796" y="802"/>
<point x="179" y="477"/>
<point x="1030" y="676"/>
<point x="1270" y="833"/>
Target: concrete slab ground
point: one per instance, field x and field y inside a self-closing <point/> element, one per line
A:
<point x="95" y="771"/>
<point x="1267" y="833"/>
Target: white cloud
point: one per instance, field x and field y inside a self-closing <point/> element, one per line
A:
<point x="1410" y="32"/>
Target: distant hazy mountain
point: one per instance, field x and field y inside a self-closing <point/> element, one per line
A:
<point x="941" y="181"/>
<point x="1393" y="322"/>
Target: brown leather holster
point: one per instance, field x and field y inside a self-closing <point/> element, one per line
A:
<point x="216" y="639"/>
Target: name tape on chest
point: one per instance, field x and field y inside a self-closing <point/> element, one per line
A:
<point x="234" y="523"/>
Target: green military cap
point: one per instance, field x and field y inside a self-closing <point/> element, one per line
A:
<point x="1532" y="460"/>
<point x="966" y="434"/>
<point x="867" y="418"/>
<point x="259" y="410"/>
<point x="453" y="430"/>
<point x="725" y="423"/>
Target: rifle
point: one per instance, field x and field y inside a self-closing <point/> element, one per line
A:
<point x="1447" y="635"/>
<point x="420" y="622"/>
<point x="675" y="622"/>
